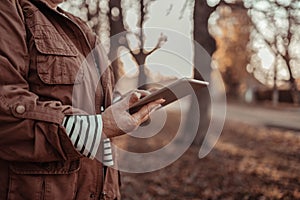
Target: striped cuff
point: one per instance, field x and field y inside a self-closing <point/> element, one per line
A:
<point x="107" y="153"/>
<point x="85" y="133"/>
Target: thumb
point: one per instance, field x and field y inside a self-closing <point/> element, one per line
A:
<point x="134" y="97"/>
<point x="129" y="100"/>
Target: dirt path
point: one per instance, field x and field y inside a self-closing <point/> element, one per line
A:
<point x="265" y="115"/>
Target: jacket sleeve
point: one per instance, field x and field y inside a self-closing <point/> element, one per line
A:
<point x="31" y="130"/>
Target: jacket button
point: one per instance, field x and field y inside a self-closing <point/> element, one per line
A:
<point x="103" y="195"/>
<point x="92" y="195"/>
<point x="20" y="109"/>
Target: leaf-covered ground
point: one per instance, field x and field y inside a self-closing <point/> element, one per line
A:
<point x="247" y="163"/>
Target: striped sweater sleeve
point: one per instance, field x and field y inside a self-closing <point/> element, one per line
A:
<point x="85" y="133"/>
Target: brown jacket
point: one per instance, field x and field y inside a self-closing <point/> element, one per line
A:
<point x="42" y="79"/>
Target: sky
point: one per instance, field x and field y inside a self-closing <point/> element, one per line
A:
<point x="176" y="55"/>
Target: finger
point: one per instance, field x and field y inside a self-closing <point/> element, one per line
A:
<point x="146" y="118"/>
<point x="143" y="112"/>
<point x="150" y="111"/>
<point x="130" y="99"/>
<point x="143" y="92"/>
<point x="147" y="109"/>
<point x="134" y="97"/>
<point x="153" y="89"/>
<point x="160" y="101"/>
<point x="153" y="107"/>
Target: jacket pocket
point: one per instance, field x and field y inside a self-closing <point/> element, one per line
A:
<point x="57" y="59"/>
<point x="43" y="181"/>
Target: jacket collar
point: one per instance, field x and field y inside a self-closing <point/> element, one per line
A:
<point x="43" y="2"/>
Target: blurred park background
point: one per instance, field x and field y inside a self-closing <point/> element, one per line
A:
<point x="255" y="48"/>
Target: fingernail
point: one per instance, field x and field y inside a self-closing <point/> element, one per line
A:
<point x="137" y="94"/>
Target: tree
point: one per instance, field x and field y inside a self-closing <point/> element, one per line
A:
<point x="274" y="37"/>
<point x="118" y="28"/>
<point x="230" y="26"/>
<point x="201" y="34"/>
<point x="116" y="24"/>
<point x="276" y="34"/>
<point x="203" y="10"/>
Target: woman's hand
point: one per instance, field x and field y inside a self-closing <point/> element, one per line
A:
<point x="116" y="119"/>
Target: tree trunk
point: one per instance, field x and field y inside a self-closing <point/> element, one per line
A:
<point x="202" y="13"/>
<point x="142" y="78"/>
<point x="116" y="30"/>
<point x="293" y="84"/>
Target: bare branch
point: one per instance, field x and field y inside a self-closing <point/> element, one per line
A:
<point x="183" y="9"/>
<point x="168" y="11"/>
<point x="270" y="44"/>
<point x="161" y="41"/>
<point x="147" y="4"/>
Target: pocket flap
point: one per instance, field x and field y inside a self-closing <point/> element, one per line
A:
<point x="49" y="41"/>
<point x="58" y="61"/>
<point x="61" y="167"/>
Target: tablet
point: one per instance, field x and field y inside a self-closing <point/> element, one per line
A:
<point x="180" y="88"/>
